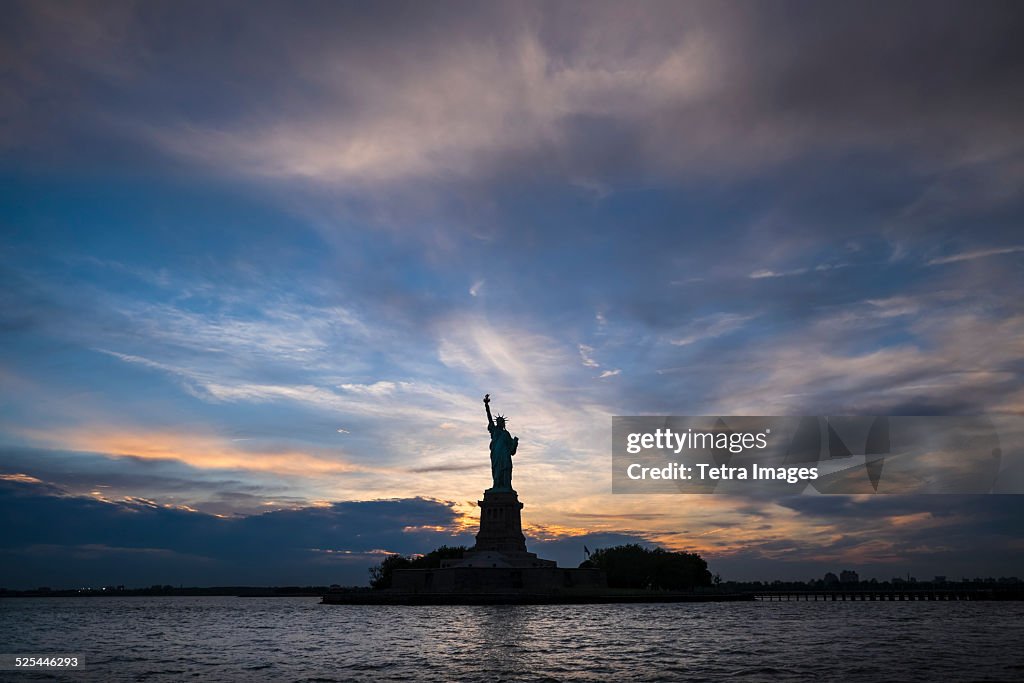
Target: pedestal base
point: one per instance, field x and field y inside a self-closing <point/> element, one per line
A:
<point x="500" y="543"/>
<point x="499" y="564"/>
<point x="501" y="524"/>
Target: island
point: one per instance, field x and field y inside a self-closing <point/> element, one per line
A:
<point x="499" y="569"/>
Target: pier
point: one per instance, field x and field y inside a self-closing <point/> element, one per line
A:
<point x="890" y="595"/>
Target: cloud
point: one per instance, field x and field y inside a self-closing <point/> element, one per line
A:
<point x="375" y="389"/>
<point x="585" y="356"/>
<point x="975" y="254"/>
<point x="700" y="87"/>
<point x="207" y="452"/>
<point x="21" y="477"/>
<point x="710" y="327"/>
<point x="452" y="467"/>
<point x="433" y="119"/>
<point x="762" y="274"/>
<point x="71" y="540"/>
<point x="171" y="481"/>
<point x="965" y="367"/>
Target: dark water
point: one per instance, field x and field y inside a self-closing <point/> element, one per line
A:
<point x="296" y="639"/>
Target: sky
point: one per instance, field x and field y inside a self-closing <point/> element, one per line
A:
<point x="261" y="261"/>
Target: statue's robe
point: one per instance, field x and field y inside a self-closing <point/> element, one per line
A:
<point x="503" y="447"/>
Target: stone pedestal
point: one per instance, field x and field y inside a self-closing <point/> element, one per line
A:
<point x="501" y="524"/>
<point x="500" y="543"/>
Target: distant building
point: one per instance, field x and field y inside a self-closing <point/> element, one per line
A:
<point x="940" y="579"/>
<point x="849" y="576"/>
<point x="831" y="579"/>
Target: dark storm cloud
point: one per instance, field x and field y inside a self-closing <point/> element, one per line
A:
<point x="67" y="540"/>
<point x="694" y="86"/>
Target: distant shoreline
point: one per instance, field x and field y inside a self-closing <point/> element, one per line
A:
<point x="214" y="591"/>
<point x="978" y="589"/>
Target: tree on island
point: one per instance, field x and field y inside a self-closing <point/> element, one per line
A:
<point x="633" y="566"/>
<point x="380" y="576"/>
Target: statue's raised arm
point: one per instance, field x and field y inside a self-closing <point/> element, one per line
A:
<point x="487" y="406"/>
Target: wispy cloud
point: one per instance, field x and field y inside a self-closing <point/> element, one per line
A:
<point x="975" y="254"/>
<point x="820" y="268"/>
<point x="586" y="357"/>
<point x="710" y="327"/>
<point x="381" y="388"/>
<point x="196" y="450"/>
